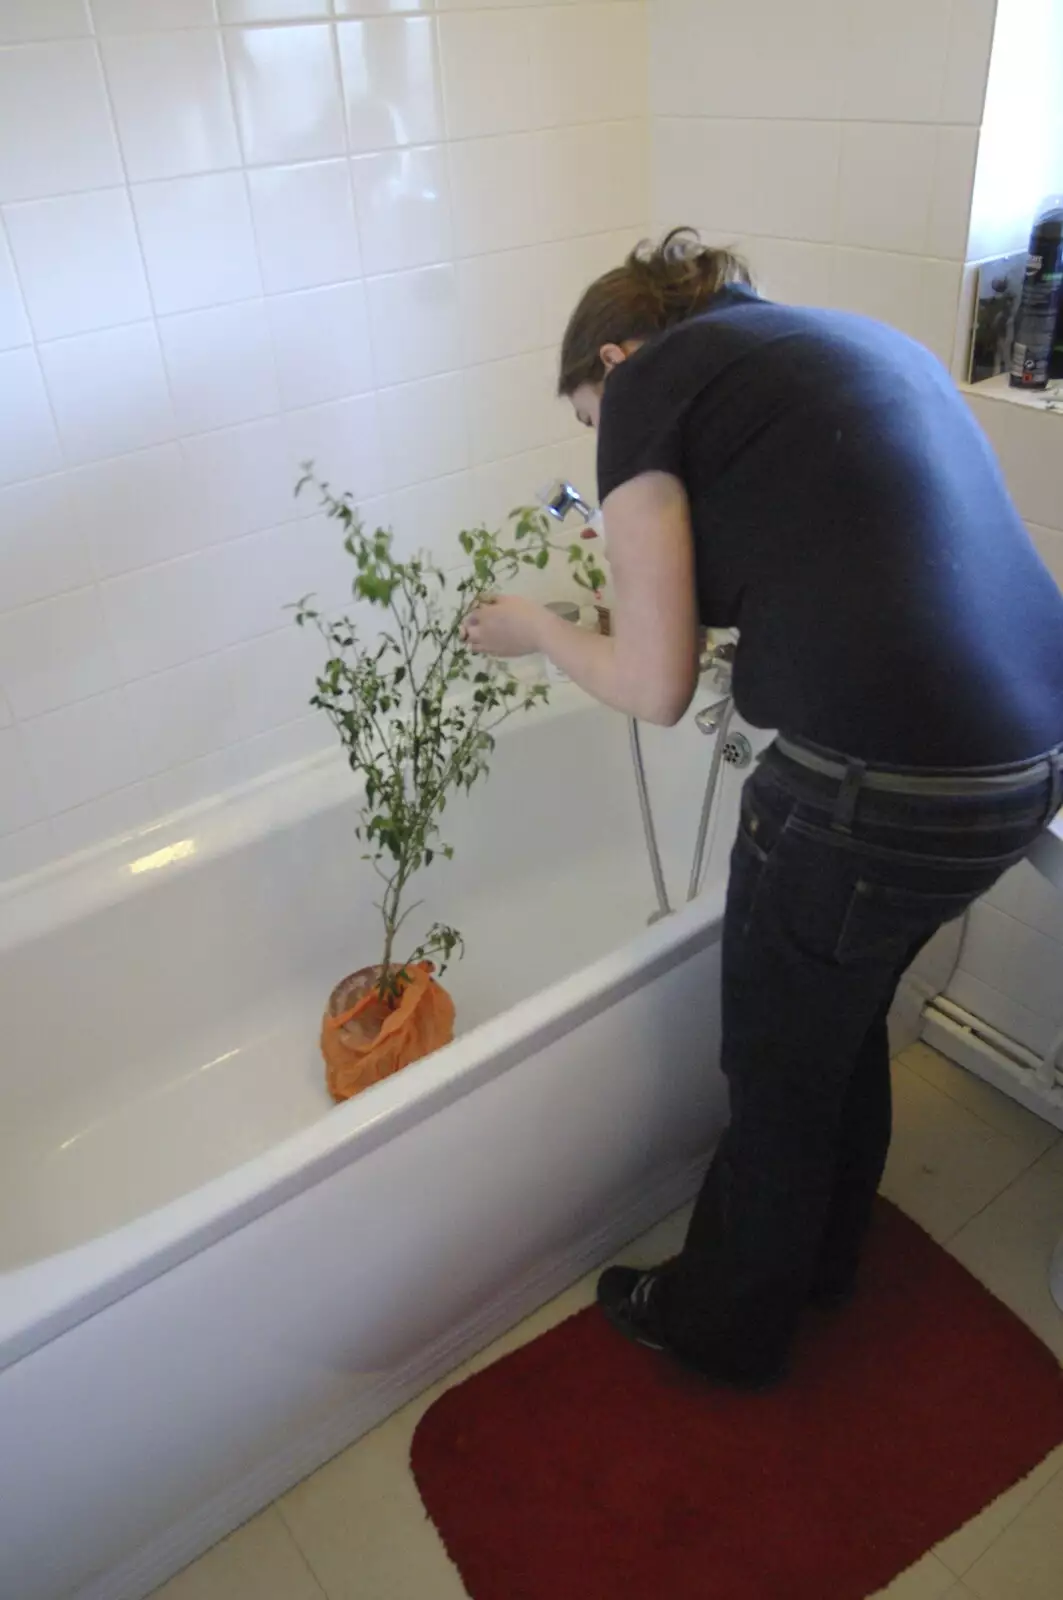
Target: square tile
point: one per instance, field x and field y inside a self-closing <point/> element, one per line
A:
<point x="478" y="101"/>
<point x="287" y="93"/>
<point x="1026" y="1561"/>
<point x="28" y="442"/>
<point x="390" y="82"/>
<point x="342" y="440"/>
<point x="762" y="59"/>
<point x="568" y="83"/>
<point x="896" y="60"/>
<point x="30" y="21"/>
<point x="190" y="784"/>
<point x="321" y="344"/>
<point x="108" y="391"/>
<point x="1014" y="958"/>
<point x="1029" y="1132"/>
<point x="42" y="153"/>
<point x="1025" y="893"/>
<point x="239" y="480"/>
<point x="414" y="324"/>
<point x="596" y="178"/>
<point x="139" y="16"/>
<point x="425" y="429"/>
<point x="967" y="66"/>
<point x="131" y="511"/>
<point x="14" y="323"/>
<point x="27" y="850"/>
<point x="82" y="752"/>
<point x="929" y="1579"/>
<point x="563" y="270"/>
<point x="946" y="1165"/>
<point x="1002" y="1011"/>
<point x="962" y="1549"/>
<point x="172" y="103"/>
<point x="500" y="190"/>
<point x="56" y="653"/>
<point x="305" y="225"/>
<point x="403" y="202"/>
<point x="198" y="241"/>
<point x="501" y="303"/>
<point x="955" y="157"/>
<point x="282" y="747"/>
<point x="513" y="407"/>
<point x="1027" y="444"/>
<point x="79" y="262"/>
<point x="918" y="296"/>
<point x="430" y="516"/>
<point x="875" y="210"/>
<point x="20" y="803"/>
<point x="220" y="365"/>
<point x="260" y="1561"/>
<point x="271" y="10"/>
<point x="43" y="548"/>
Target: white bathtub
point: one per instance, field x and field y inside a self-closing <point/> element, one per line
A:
<point x="211" y="1279"/>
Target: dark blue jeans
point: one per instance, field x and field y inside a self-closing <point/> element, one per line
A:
<point x="828" y="904"/>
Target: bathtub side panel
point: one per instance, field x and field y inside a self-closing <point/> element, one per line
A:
<point x="131" y="1421"/>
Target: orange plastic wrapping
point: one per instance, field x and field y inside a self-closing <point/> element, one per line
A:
<point x="364" y="1038"/>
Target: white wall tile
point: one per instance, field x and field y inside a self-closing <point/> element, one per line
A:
<point x="82" y="752"/>
<point x="916" y="295"/>
<point x="1016" y="959"/>
<point x="897" y="57"/>
<point x="271" y="10"/>
<point x="28" y="21"/>
<point x="112" y="816"/>
<point x="564" y="268"/>
<point x="1027" y="445"/>
<point x="108" y="391"/>
<point x="287" y="93"/>
<point x="342" y="439"/>
<point x="305" y="225"/>
<point x="596" y="178"/>
<point x="240" y="480"/>
<point x="480" y="100"/>
<point x="14" y="324"/>
<point x="403" y="202"/>
<point x="787" y="269"/>
<point x="280" y="747"/>
<point x="172" y="103"/>
<point x="513" y="407"/>
<point x="967" y="67"/>
<point x="430" y="516"/>
<point x="887" y="181"/>
<point x="1049" y="542"/>
<point x="197" y="781"/>
<point x="220" y="365"/>
<point x="133" y="510"/>
<point x="28" y="442"/>
<point x="502" y="304"/>
<point x="390" y="82"/>
<point x="321" y="344"/>
<point x="761" y="59"/>
<point x="80" y="262"/>
<point x="42" y="153"/>
<point x="774" y="178"/>
<point x="198" y="241"/>
<point x="43" y="547"/>
<point x="579" y="77"/>
<point x="500" y="193"/>
<point x="950" y="206"/>
<point x="139" y="16"/>
<point x="55" y="653"/>
<point x="1026" y="894"/>
<point x="425" y="429"/>
<point x="367" y="8"/>
<point x="19" y="801"/>
<point x="414" y="318"/>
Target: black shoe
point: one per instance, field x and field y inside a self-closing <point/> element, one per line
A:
<point x="627" y="1298"/>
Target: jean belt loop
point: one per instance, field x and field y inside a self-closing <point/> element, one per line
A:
<point x="1056" y="797"/>
<point x="845" y="805"/>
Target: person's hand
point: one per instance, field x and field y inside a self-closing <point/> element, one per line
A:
<point x="505" y="625"/>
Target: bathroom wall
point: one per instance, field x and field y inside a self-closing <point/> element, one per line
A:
<point x="235" y="234"/>
<point x="833" y="140"/>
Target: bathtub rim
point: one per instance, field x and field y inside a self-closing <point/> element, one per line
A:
<point x="48" y="1296"/>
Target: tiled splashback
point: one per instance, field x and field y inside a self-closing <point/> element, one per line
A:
<point x="236" y="235"/>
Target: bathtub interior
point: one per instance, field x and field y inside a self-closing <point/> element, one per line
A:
<point x="170" y="1035"/>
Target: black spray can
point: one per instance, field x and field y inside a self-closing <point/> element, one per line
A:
<point x="1042" y="296"/>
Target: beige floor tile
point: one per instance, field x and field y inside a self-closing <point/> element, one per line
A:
<point x="1009" y="1248"/>
<point x="927" y="1580"/>
<point x="946" y="1164"/>
<point x="260" y="1561"/>
<point x="1026" y="1562"/>
<point x="1031" y="1133"/>
<point x="962" y="1549"/>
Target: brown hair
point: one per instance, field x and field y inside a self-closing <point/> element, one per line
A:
<point x="657" y="286"/>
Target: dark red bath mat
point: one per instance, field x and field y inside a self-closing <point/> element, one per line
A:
<point x="584" y="1468"/>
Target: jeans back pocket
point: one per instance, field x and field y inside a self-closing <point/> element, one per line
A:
<point x="885" y="925"/>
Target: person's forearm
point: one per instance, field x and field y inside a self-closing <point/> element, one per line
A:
<point x="596" y="664"/>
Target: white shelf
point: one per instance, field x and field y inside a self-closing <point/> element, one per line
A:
<point x="998" y="388"/>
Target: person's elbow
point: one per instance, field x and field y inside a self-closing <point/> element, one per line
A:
<point x="666" y="705"/>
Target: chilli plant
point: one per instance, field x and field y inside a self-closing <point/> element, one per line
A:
<point x="416" y="710"/>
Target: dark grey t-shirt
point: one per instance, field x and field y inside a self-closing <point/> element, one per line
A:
<point x="851" y="520"/>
